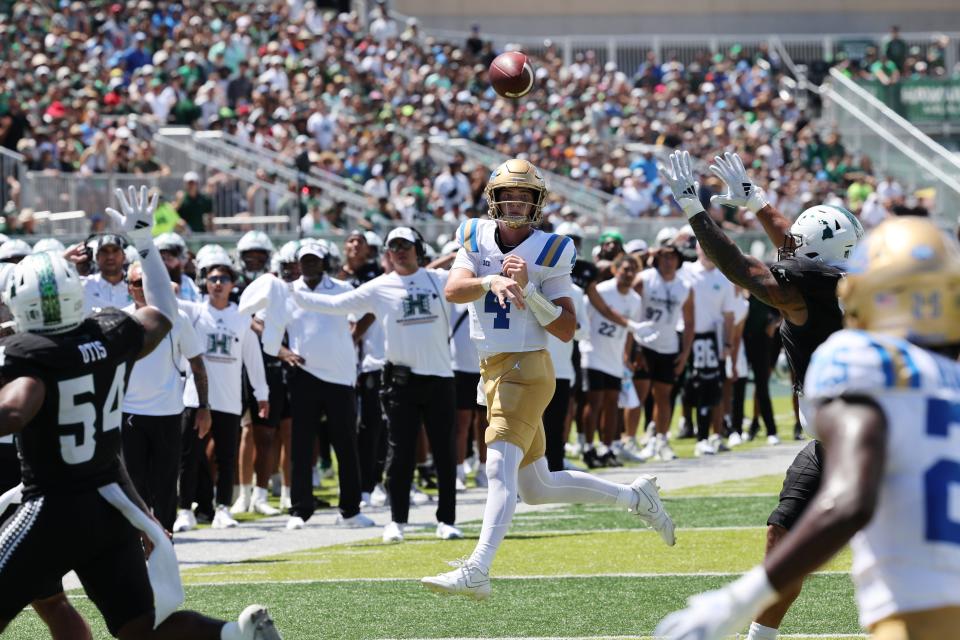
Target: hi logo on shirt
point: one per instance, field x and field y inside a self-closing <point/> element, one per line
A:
<point x="219" y="343"/>
<point x="416" y="304"/>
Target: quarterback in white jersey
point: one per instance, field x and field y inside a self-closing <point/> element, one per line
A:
<point x="886" y="399"/>
<point x="518" y="281"/>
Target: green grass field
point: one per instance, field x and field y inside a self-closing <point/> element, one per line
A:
<point x="571" y="572"/>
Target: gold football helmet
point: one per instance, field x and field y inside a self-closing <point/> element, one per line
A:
<point x="904" y="280"/>
<point x="516" y="173"/>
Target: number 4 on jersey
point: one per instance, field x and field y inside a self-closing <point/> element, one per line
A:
<point x="492" y="305"/>
<point x="79" y="419"/>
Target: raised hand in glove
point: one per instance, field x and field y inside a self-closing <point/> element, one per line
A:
<point x="741" y="191"/>
<point x="682" y="182"/>
<point x="136" y="221"/>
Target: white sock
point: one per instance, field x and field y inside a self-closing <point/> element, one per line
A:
<point x="230" y="631"/>
<point x="503" y="462"/>
<point x="538" y="485"/>
<point x="237" y="488"/>
<point x="284" y="492"/>
<point x="760" y="632"/>
<point x="259" y="495"/>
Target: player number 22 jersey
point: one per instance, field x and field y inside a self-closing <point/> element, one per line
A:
<point x="908" y="557"/>
<point x="549" y="259"/>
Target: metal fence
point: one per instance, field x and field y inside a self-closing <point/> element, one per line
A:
<point x="894" y="145"/>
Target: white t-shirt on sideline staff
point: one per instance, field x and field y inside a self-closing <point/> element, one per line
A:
<point x="411" y="310"/>
<point x="562" y="352"/>
<point x="100" y="294"/>
<point x="228" y="344"/>
<point x="712" y="298"/>
<point x="663" y="305"/>
<point x="463" y="353"/>
<point x="603" y="350"/>
<point x="155" y="386"/>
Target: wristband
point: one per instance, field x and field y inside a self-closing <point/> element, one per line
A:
<point x="691" y="206"/>
<point x="542" y="309"/>
<point x="486" y="282"/>
<point x="757" y="199"/>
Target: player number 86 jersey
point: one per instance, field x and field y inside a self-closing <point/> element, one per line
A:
<point x="549" y="259"/>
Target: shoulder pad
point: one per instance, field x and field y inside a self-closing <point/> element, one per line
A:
<point x="468" y="235"/>
<point x="852" y="361"/>
<point x="808" y="275"/>
<point x="553" y="247"/>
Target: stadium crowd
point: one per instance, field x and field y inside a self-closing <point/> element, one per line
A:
<point x="86" y="83"/>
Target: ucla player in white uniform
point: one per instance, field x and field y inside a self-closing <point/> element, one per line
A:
<point x="886" y="398"/>
<point x="518" y="281"/>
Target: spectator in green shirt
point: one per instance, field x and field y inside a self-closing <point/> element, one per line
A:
<point x="895" y="48"/>
<point x="195" y="207"/>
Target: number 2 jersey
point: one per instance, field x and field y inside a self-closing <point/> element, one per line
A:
<point x="908" y="557"/>
<point x="73" y="443"/>
<point x="549" y="259"/>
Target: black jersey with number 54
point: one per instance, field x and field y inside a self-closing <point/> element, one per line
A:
<point x="73" y="443"/>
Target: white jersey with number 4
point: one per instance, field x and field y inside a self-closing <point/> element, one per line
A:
<point x="549" y="259"/>
<point x="603" y="351"/>
<point x="908" y="557"/>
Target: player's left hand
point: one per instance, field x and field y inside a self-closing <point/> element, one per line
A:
<point x="515" y="267"/>
<point x="709" y="616"/>
<point x="263" y="409"/>
<point x="136" y="221"/>
<point x="679" y="364"/>
<point x="741" y="192"/>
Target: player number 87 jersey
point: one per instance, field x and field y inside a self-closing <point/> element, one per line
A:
<point x="549" y="259"/>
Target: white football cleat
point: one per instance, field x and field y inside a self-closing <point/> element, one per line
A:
<point x="379" y="497"/>
<point x="222" y="518"/>
<point x="649" y="450"/>
<point x="460" y="486"/>
<point x="735" y="440"/>
<point x="650" y="508"/>
<point x="716" y="443"/>
<point x="295" y="522"/>
<point x="241" y="504"/>
<point x="418" y="497"/>
<point x="259" y="504"/>
<point x="365" y="499"/>
<point x="448" y="532"/>
<point x="468" y="579"/>
<point x="358" y="521"/>
<point x="703" y="448"/>
<point x="393" y="532"/>
<point x="773" y="440"/>
<point x="255" y="623"/>
<point x="664" y="450"/>
<point x="185" y="521"/>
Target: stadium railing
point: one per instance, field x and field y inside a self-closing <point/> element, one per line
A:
<point x="895" y="146"/>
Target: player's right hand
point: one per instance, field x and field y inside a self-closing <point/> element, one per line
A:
<point x="76" y="253"/>
<point x="507" y="290"/>
<point x="741" y="191"/>
<point x="136" y="221"/>
<point x="202" y="422"/>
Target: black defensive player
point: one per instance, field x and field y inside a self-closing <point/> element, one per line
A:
<point x="801" y="285"/>
<point x="64" y="380"/>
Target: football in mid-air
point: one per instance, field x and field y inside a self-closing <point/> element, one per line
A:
<point x="511" y="74"/>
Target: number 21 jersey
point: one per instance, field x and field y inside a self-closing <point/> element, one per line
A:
<point x="73" y="443"/>
<point x="549" y="259"/>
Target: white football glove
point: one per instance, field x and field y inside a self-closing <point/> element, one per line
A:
<point x="136" y="221"/>
<point x="643" y="332"/>
<point x="714" y="615"/>
<point x="741" y="192"/>
<point x="682" y="183"/>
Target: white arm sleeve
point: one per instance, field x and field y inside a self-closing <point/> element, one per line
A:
<point x="253" y="361"/>
<point x="359" y="301"/>
<point x="190" y="345"/>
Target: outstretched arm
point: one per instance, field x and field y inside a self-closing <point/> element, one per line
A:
<point x="745" y="271"/>
<point x="743" y="192"/>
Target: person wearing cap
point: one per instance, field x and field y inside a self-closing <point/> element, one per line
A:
<point x="666" y="299"/>
<point x="194" y="206"/>
<point x="417" y="377"/>
<point x="229" y="346"/>
<point x="173" y="250"/>
<point x="107" y="287"/>
<point x="323" y="384"/>
<point x="152" y="408"/>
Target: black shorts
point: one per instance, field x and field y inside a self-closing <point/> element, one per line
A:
<point x="466" y="390"/>
<point x="601" y="381"/>
<point x="659" y="367"/>
<point x="51" y="535"/>
<point x="279" y="401"/>
<point x="799" y="486"/>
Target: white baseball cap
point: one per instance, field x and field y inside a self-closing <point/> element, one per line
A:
<point x="402" y="233"/>
<point x="312" y="248"/>
<point x="191" y="176"/>
<point x="636" y="246"/>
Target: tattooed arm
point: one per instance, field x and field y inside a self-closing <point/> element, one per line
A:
<point x="745" y="271"/>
